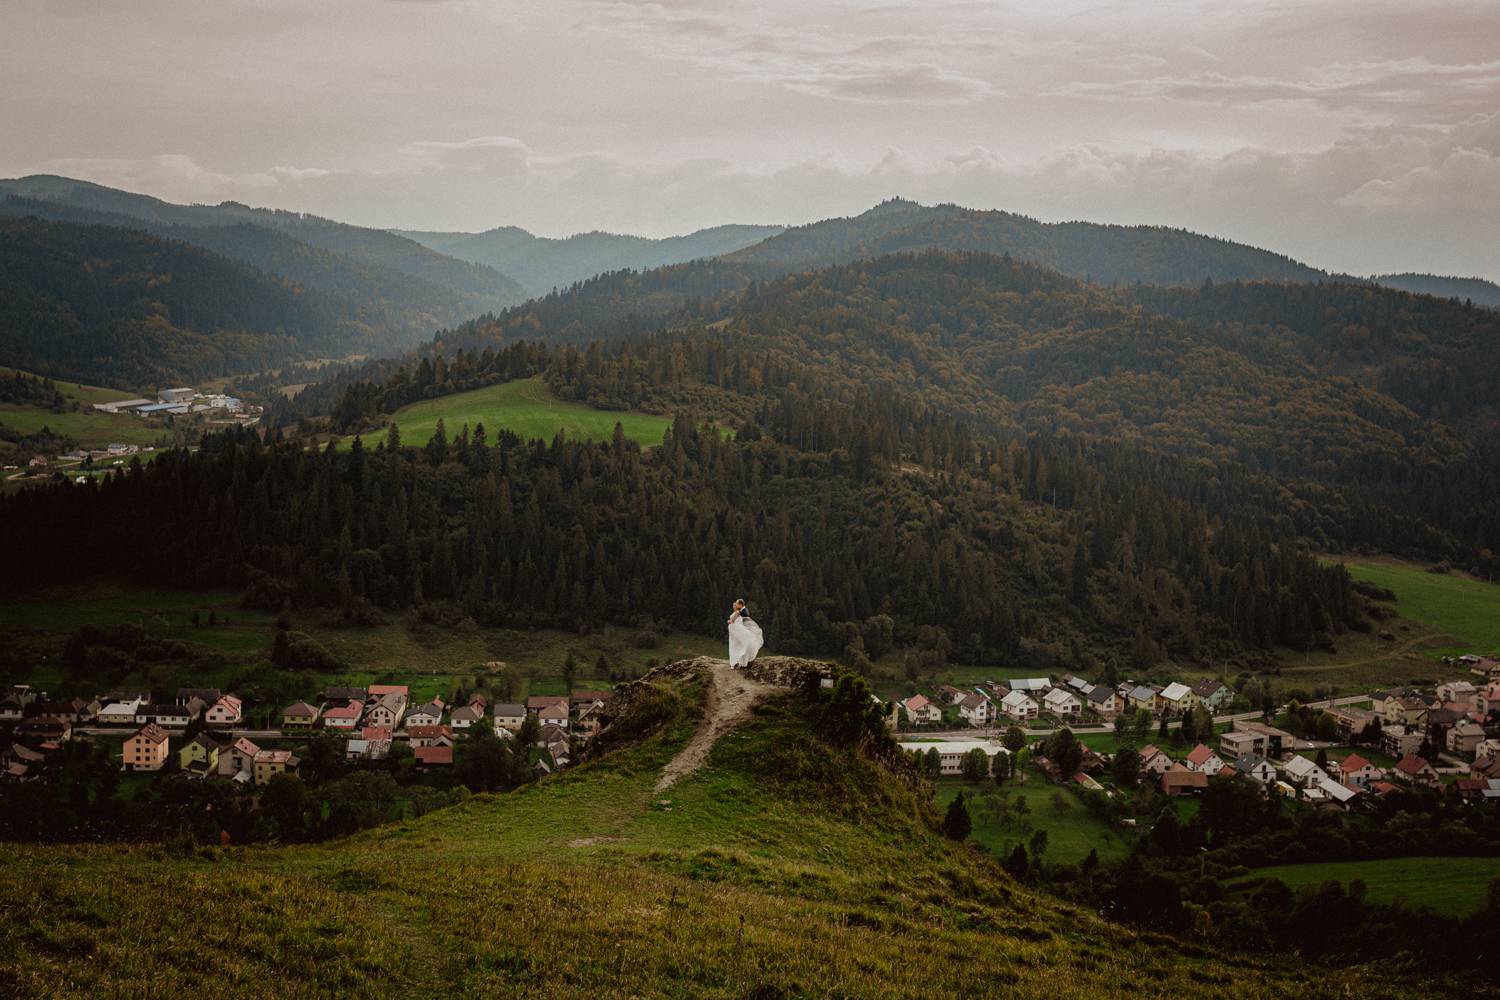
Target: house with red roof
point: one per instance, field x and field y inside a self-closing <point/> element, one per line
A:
<point x="1204" y="759"/>
<point x="1355" y="770"/>
<point x="1154" y="761"/>
<point x="434" y="756"/>
<point x="919" y="709"/>
<point x="1414" y="768"/>
<point x="344" y="716"/>
<point x="1183" y="782"/>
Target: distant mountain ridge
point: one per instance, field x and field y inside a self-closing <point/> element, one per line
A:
<point x="1107" y="254"/>
<point x="411" y="306"/>
<point x="1476" y="290"/>
<point x="480" y="289"/>
<point x="542" y="264"/>
<point x="123" y="307"/>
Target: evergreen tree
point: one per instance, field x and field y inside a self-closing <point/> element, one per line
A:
<point x="957" y="824"/>
<point x="531" y="730"/>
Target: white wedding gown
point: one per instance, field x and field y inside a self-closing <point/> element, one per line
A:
<point x="745" y="641"/>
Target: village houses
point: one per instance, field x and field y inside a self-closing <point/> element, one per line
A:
<point x="1019" y="706"/>
<point x="977" y="709"/>
<point x="147" y="749"/>
<point x="1062" y="702"/>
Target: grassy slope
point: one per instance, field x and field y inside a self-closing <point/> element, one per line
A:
<point x="1465" y="608"/>
<point x="781" y="869"/>
<point x="88" y="425"/>
<point x="1448" y="885"/>
<point x="526" y="408"/>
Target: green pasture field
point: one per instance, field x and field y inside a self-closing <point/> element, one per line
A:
<point x="526" y="408"/>
<point x="88" y="425"/>
<point x="1462" y="607"/>
<point x="1448" y="885"/>
<point x="1070" y="835"/>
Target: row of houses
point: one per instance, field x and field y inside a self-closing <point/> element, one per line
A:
<point x="387" y="706"/>
<point x="1025" y="699"/>
<point x="1453" y="718"/>
<point x="338" y="708"/>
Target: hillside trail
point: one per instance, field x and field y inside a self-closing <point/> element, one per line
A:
<point x="731" y="695"/>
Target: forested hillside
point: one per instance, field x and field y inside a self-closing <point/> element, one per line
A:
<point x="117" y="307"/>
<point x="1042" y="553"/>
<point x="542" y="265"/>
<point x="401" y="305"/>
<point x="622" y="302"/>
<point x="481" y="289"/>
<point x="1396" y="463"/>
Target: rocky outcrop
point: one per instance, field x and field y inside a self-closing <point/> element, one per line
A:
<point x="788" y="672"/>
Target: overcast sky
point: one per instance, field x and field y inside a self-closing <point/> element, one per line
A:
<point x="1355" y="136"/>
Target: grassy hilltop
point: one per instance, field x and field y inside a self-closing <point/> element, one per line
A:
<point x="785" y="866"/>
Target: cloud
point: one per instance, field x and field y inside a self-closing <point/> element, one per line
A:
<point x="1336" y="85"/>
<point x="843" y="60"/>
<point x="169" y="172"/>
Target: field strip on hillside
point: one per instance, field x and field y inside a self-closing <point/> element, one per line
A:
<point x="731" y="695"/>
<point x="526" y="408"/>
<point x="1468" y="609"/>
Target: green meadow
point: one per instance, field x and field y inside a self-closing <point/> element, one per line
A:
<point x="1448" y="885"/>
<point x="1466" y="609"/>
<point x="1071" y="833"/>
<point x="527" y="409"/>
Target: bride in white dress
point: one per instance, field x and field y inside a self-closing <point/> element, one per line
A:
<point x="745" y="638"/>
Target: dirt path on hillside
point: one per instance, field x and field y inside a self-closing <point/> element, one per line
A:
<point x="731" y="695"/>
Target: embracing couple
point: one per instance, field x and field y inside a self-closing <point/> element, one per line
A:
<point x="745" y="638"/>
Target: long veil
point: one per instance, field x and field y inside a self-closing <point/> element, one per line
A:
<point x="745" y="640"/>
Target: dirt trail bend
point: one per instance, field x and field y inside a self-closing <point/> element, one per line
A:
<point x="731" y="695"/>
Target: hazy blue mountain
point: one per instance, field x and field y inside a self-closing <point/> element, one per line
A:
<point x="483" y="288"/>
<point x="1476" y="290"/>
<point x="541" y="264"/>
<point x="401" y="305"/>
